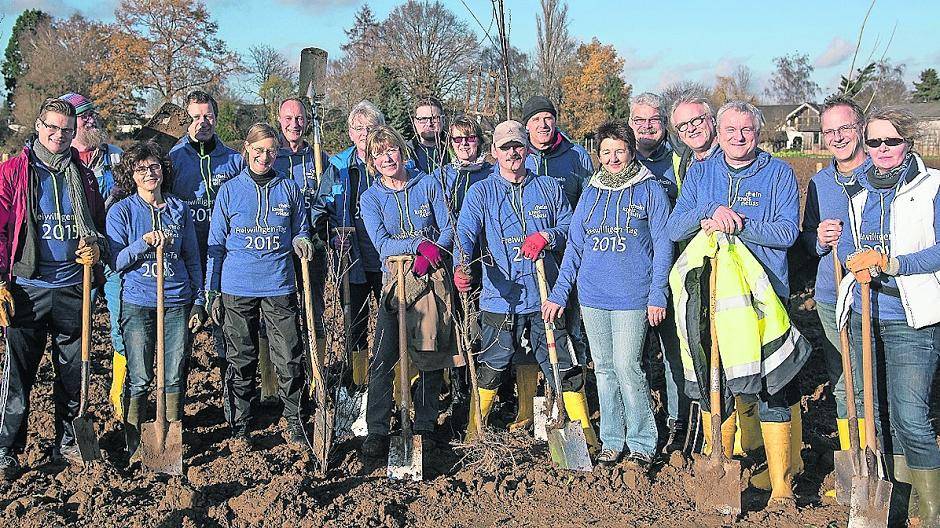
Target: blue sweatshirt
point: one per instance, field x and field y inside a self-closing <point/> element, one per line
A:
<point x="251" y="237"/>
<point x="397" y="221"/>
<point x="827" y="197"/>
<point x="502" y="214"/>
<point x="569" y="164"/>
<point x="301" y="167"/>
<point x="427" y="159"/>
<point x="198" y="177"/>
<point x="338" y="200"/>
<point x="660" y="164"/>
<point x="875" y="232"/>
<point x="457" y="181"/>
<point x="57" y="239"/>
<point x="617" y="247"/>
<point x="765" y="193"/>
<point x="128" y="221"/>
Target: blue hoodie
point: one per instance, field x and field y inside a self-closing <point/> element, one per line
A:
<point x="827" y="197"/>
<point x="505" y="214"/>
<point x="340" y="207"/>
<point x="128" y="221"/>
<point x="251" y="237"/>
<point x="198" y="177"/>
<point x="617" y="247"/>
<point x="397" y="221"/>
<point x="301" y="167"/>
<point x="457" y="181"/>
<point x="766" y="194"/>
<point x="660" y="164"/>
<point x="569" y="164"/>
<point x="427" y="159"/>
<point x="875" y="232"/>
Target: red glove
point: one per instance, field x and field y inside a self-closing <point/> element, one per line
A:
<point x="420" y="266"/>
<point x="431" y="252"/>
<point x="462" y="280"/>
<point x="533" y="245"/>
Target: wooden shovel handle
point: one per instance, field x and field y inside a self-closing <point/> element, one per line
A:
<point x="714" y="372"/>
<point x="868" y="378"/>
<point x="86" y="312"/>
<point x="847" y="372"/>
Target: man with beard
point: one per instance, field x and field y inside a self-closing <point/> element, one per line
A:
<point x="51" y="224"/>
<point x="427" y="148"/>
<point x="91" y="142"/>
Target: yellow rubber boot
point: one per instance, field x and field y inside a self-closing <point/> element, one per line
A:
<point x="763" y="480"/>
<point x="842" y="424"/>
<point x="577" y="409"/>
<point x="118" y="375"/>
<point x="749" y="436"/>
<point x="728" y="429"/>
<point x="360" y="367"/>
<point x="527" y="380"/>
<point x="412" y="376"/>
<point x="777" y="442"/>
<point x="266" y="369"/>
<point x="486" y="397"/>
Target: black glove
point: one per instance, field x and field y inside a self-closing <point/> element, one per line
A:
<point x="217" y="311"/>
<point x="197" y="318"/>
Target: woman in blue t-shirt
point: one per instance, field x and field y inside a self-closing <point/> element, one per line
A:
<point x="148" y="219"/>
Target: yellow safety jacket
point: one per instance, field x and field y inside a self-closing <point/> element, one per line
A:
<point x="760" y="350"/>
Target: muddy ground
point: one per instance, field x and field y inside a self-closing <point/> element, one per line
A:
<point x="273" y="486"/>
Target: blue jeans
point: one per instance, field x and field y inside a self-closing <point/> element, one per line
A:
<point x="905" y="361"/>
<point x="139" y="325"/>
<point x="617" y="339"/>
<point x="677" y="401"/>
<point x="832" y="355"/>
<point x="112" y="299"/>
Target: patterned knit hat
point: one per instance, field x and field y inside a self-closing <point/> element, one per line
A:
<point x="81" y="103"/>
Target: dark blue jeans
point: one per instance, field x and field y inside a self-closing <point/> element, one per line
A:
<point x="905" y="361"/>
<point x="139" y="327"/>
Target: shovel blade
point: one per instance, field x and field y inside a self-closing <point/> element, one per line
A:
<point x="870" y="502"/>
<point x="568" y="447"/>
<point x="86" y="438"/>
<point x="350" y="415"/>
<point x="404" y="459"/>
<point x="848" y="463"/>
<point x="545" y="413"/>
<point x="719" y="481"/>
<point x="162" y="457"/>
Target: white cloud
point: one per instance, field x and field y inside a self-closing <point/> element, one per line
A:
<point x="634" y="63"/>
<point x="835" y="53"/>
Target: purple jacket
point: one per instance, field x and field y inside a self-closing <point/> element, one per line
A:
<point x="14" y="179"/>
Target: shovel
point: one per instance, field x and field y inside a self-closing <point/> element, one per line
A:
<point x="871" y="492"/>
<point x="566" y="441"/>
<point x="850" y="463"/>
<point x="721" y="476"/>
<point x="85" y="435"/>
<point x="404" y="451"/>
<point x="322" y="417"/>
<point x="161" y="442"/>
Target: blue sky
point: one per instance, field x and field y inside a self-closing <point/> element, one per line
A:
<point x="661" y="41"/>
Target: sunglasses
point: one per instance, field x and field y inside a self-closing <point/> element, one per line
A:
<point x="891" y="142"/>
<point x="464" y="139"/>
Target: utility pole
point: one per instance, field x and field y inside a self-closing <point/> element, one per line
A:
<point x="499" y="13"/>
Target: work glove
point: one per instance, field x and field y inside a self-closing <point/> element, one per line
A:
<point x="303" y="247"/>
<point x="216" y="311"/>
<point x="88" y="253"/>
<point x="872" y="261"/>
<point x="421" y="266"/>
<point x="431" y="252"/>
<point x="6" y="305"/>
<point x="533" y="245"/>
<point x="197" y="317"/>
<point x="462" y="280"/>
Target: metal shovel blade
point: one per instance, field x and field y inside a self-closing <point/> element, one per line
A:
<point x="404" y="458"/>
<point x="350" y="415"/>
<point x="86" y="438"/>
<point x="545" y="413"/>
<point x="848" y="464"/>
<point x="871" y="501"/>
<point x="568" y="447"/>
<point x="164" y="457"/>
<point x="720" y="484"/>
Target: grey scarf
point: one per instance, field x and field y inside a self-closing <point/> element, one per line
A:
<point x="62" y="163"/>
<point x="621" y="179"/>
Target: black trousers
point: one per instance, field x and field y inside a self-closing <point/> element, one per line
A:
<point x="241" y="324"/>
<point x="359" y="308"/>
<point x="38" y="314"/>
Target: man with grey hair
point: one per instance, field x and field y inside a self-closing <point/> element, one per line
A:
<point x="648" y="121"/>
<point x="337" y="203"/>
<point x="692" y="118"/>
<point x="748" y="193"/>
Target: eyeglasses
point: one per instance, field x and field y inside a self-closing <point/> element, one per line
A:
<point x="360" y="129"/>
<point x="891" y="142"/>
<point x="842" y="130"/>
<point x="470" y="140"/>
<point x="745" y="131"/>
<point x="648" y="123"/>
<point x="390" y="152"/>
<point x="694" y="123"/>
<point x="258" y="151"/>
<point x="427" y="119"/>
<point x="54" y="129"/>
<point x="143" y="170"/>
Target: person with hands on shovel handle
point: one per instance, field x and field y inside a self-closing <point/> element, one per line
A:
<point x="258" y="219"/>
<point x="405" y="214"/>
<point x="149" y="220"/>
<point x="522" y="217"/>
<point x="619" y="256"/>
<point x="895" y="227"/>
<point x="51" y="220"/>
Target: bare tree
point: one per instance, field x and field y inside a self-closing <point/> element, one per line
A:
<point x="886" y="86"/>
<point x="791" y="82"/>
<point x="353" y="77"/>
<point x="430" y="46"/>
<point x="739" y="86"/>
<point x="556" y="49"/>
<point x="264" y="63"/>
